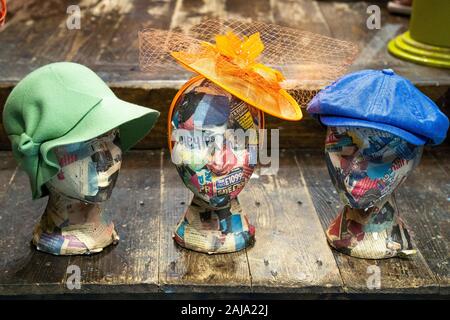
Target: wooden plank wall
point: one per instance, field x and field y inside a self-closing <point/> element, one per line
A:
<point x="36" y="34"/>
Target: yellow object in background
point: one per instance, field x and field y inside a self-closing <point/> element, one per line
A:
<point x="428" y="40"/>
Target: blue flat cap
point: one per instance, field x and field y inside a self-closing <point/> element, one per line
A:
<point x="381" y="99"/>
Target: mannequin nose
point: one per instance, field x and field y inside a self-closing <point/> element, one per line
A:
<point x="223" y="161"/>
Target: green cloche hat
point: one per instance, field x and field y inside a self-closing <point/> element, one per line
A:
<point x="63" y="103"/>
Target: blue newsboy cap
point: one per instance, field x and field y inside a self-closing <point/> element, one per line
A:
<point x="381" y="99"/>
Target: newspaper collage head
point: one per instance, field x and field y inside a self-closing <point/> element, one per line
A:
<point x="89" y="169"/>
<point x="367" y="165"/>
<point x="215" y="142"/>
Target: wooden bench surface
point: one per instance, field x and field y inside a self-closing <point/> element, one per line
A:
<point x="290" y="211"/>
<point x="35" y="34"/>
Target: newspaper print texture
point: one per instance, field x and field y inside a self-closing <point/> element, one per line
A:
<point x="367" y="165"/>
<point x="215" y="163"/>
<point x="89" y="170"/>
<point x="212" y="162"/>
<point x="377" y="233"/>
<point x="88" y="174"/>
<point x="219" y="231"/>
<point x="70" y="227"/>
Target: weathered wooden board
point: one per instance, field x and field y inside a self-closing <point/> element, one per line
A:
<point x="4" y="142"/>
<point x="24" y="37"/>
<point x="131" y="266"/>
<point x="122" y="46"/>
<point x="292" y="134"/>
<point x="300" y="14"/>
<point x="135" y="208"/>
<point x="442" y="155"/>
<point x="23" y="269"/>
<point x="348" y="21"/>
<point x="183" y="270"/>
<point x="8" y="168"/>
<point x="36" y="34"/>
<point x="397" y="275"/>
<point x="424" y="202"/>
<point x="291" y="253"/>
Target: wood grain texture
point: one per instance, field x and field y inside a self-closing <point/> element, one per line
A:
<point x="347" y="21"/>
<point x="261" y="10"/>
<point x="397" y="275"/>
<point x="4" y="93"/>
<point x="8" y="169"/>
<point x="122" y="47"/>
<point x="23" y="269"/>
<point x="300" y="14"/>
<point x="134" y="206"/>
<point x="183" y="270"/>
<point x="291" y="253"/>
<point x="31" y="25"/>
<point x="131" y="266"/>
<point x="424" y="202"/>
<point x="442" y="155"/>
<point x="150" y="197"/>
<point x="36" y="34"/>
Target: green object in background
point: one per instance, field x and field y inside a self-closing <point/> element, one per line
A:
<point x="64" y="103"/>
<point x="428" y="39"/>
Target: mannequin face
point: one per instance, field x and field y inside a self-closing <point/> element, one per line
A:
<point x="213" y="161"/>
<point x="367" y="165"/>
<point x="89" y="169"/>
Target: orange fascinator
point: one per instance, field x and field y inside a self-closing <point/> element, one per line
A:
<point x="256" y="62"/>
<point x="2" y="12"/>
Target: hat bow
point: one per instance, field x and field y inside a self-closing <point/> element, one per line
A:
<point x="27" y="146"/>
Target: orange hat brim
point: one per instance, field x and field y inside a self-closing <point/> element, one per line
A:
<point x="278" y="103"/>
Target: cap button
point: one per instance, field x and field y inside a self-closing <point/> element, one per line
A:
<point x="388" y="72"/>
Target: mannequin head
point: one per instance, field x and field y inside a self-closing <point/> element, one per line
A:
<point x="60" y="119"/>
<point x="89" y="169"/>
<point x="378" y="123"/>
<point x="215" y="142"/>
<point x="367" y="165"/>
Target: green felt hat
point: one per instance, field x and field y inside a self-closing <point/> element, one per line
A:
<point x="63" y="103"/>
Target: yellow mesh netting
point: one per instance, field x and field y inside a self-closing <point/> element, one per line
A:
<point x="307" y="61"/>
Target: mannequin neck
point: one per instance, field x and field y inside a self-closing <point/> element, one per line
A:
<point x="62" y="208"/>
<point x="69" y="226"/>
<point x="365" y="215"/>
<point x="197" y="201"/>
